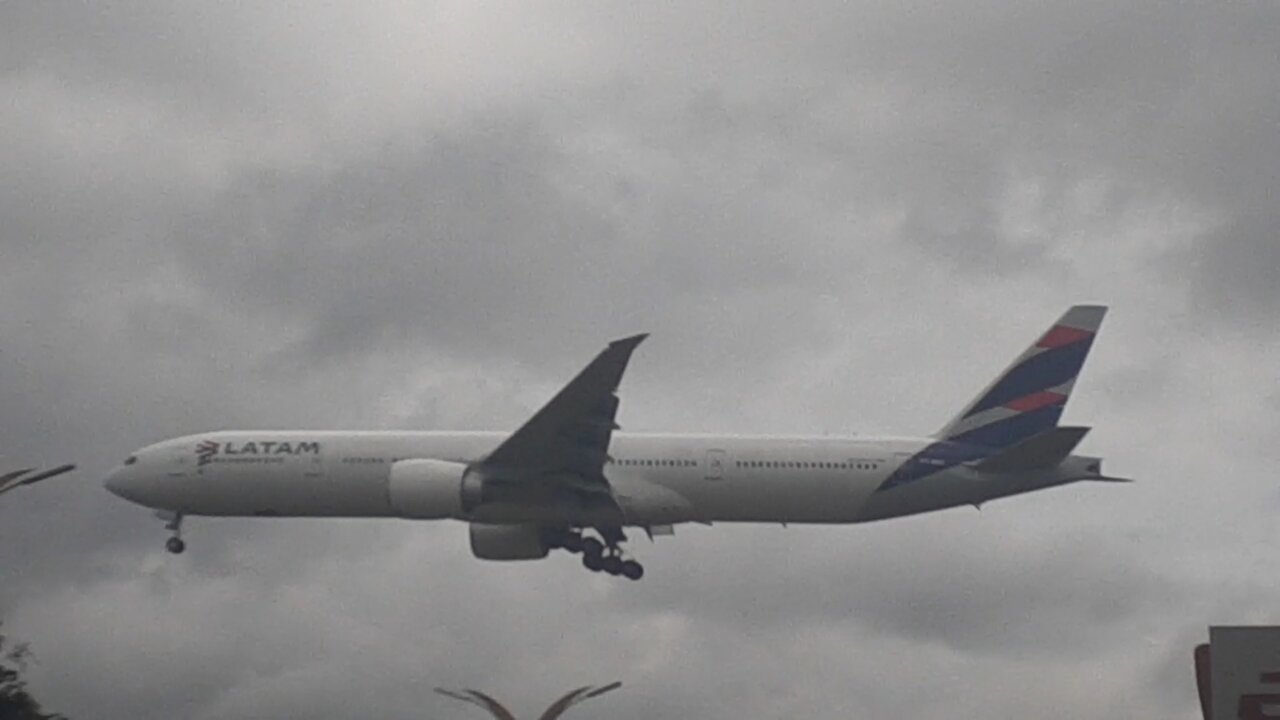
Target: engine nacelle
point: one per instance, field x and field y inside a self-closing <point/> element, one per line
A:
<point x="507" y="542"/>
<point x="426" y="489"/>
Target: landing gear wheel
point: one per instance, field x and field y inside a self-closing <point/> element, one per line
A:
<point x="632" y="570"/>
<point x="175" y="545"/>
<point x="612" y="565"/>
<point x="592" y="562"/>
<point x="592" y="547"/>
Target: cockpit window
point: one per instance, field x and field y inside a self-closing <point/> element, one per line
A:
<point x="132" y="459"/>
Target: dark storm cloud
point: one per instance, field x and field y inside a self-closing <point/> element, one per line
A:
<point x="448" y="242"/>
<point x="1165" y="100"/>
<point x="400" y="216"/>
<point x="1156" y="100"/>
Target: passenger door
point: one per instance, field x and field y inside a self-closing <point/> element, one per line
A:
<point x="715" y="465"/>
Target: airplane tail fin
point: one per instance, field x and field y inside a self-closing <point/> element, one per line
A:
<point x="1028" y="398"/>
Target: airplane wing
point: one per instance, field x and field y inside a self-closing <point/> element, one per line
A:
<point x="568" y="439"/>
<point x="18" y="478"/>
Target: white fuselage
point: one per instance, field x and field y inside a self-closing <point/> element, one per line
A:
<point x="655" y="479"/>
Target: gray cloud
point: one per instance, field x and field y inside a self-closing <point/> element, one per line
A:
<point x="833" y="218"/>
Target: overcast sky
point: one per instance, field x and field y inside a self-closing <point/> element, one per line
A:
<point x="833" y="217"/>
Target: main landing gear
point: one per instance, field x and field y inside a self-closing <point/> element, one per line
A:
<point x="597" y="555"/>
<point x="173" y="523"/>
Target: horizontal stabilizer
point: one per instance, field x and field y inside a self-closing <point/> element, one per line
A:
<point x="1036" y="452"/>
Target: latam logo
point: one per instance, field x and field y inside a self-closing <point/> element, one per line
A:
<point x="207" y="450"/>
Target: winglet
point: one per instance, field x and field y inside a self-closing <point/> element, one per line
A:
<point x="628" y="343"/>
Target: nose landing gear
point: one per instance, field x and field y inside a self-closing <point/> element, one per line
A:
<point x="173" y="523"/>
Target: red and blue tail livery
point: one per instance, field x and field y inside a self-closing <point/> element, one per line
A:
<point x="1029" y="397"/>
<point x="1025" y="401"/>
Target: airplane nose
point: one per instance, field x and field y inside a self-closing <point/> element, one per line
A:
<point x="113" y="482"/>
<point x="123" y="483"/>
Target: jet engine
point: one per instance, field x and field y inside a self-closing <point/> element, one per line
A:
<point x="507" y="542"/>
<point x="427" y="489"/>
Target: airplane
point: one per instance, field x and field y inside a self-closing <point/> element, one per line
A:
<point x="568" y="471"/>
<point x="17" y="478"/>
